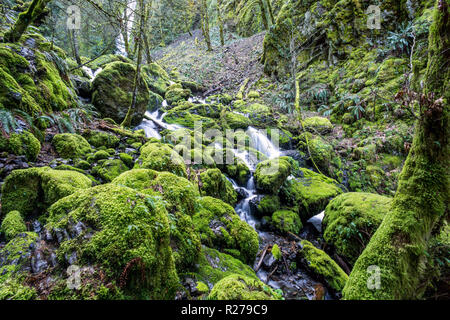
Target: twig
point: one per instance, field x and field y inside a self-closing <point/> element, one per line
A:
<point x="262" y="257"/>
<point x="271" y="273"/>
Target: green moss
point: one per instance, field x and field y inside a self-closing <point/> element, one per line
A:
<point x="268" y="205"/>
<point x="238" y="170"/>
<point x="271" y="174"/>
<point x="127" y="159"/>
<point x="102" y="154"/>
<point x="24" y="143"/>
<point x="126" y="228"/>
<point x="323" y="266"/>
<point x="12" y="225"/>
<point x="286" y="221"/>
<point x="179" y="197"/>
<point x="238" y="287"/>
<point x="351" y="219"/>
<point x="219" y="226"/>
<point x="100" y="138"/>
<point x="83" y="164"/>
<point x="32" y="189"/>
<point x="215" y="184"/>
<point x="110" y="169"/>
<point x="161" y="157"/>
<point x="310" y="191"/>
<point x="317" y="125"/>
<point x="235" y="121"/>
<point x="253" y="94"/>
<point x="156" y="78"/>
<point x="15" y="257"/>
<point x="176" y="94"/>
<point x="71" y="145"/>
<point x="214" y="266"/>
<point x="276" y="252"/>
<point x="112" y="92"/>
<point x="11" y="289"/>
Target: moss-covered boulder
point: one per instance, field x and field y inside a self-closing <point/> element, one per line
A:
<point x="12" y="225"/>
<point x="34" y="78"/>
<point x="238" y="171"/>
<point x="267" y="205"/>
<point x="113" y="90"/>
<point x="323" y="266"/>
<point x="156" y="78"/>
<point x="174" y="95"/>
<point x="220" y="227"/>
<point x="310" y="191"/>
<point x="271" y="174"/>
<point x="318" y="125"/>
<point x="101" y="139"/>
<point x="23" y="143"/>
<point x="127" y="230"/>
<point x="15" y="258"/>
<point x="214" y="266"/>
<point x="27" y="190"/>
<point x="286" y="221"/>
<point x="71" y="145"/>
<point x="179" y="197"/>
<point x="234" y="120"/>
<point x="238" y="287"/>
<point x="110" y="169"/>
<point x="351" y="219"/>
<point x="161" y="157"/>
<point x="215" y="184"/>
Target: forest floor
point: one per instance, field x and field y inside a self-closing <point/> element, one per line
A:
<point x="223" y="68"/>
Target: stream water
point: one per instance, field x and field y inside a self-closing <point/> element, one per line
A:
<point x="296" y="284"/>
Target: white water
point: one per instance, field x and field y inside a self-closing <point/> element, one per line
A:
<point x="120" y="43"/>
<point x="262" y="143"/>
<point x="91" y="73"/>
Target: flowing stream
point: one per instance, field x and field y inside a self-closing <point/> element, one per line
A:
<point x="295" y="285"/>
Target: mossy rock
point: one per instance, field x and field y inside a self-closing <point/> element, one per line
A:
<point x="179" y="197"/>
<point x="100" y="155"/>
<point x="126" y="227"/>
<point x="236" y="121"/>
<point x="15" y="257"/>
<point x="161" y="157"/>
<point x="127" y="159"/>
<point x="12" y="225"/>
<point x="238" y="287"/>
<point x="27" y="190"/>
<point x="112" y="92"/>
<point x="323" y="266"/>
<point x="271" y="174"/>
<point x="310" y="191"/>
<point x="350" y="220"/>
<point x="318" y="125"/>
<point x="71" y="145"/>
<point x="238" y="170"/>
<point x="215" y="184"/>
<point x="220" y="227"/>
<point x="268" y="205"/>
<point x="156" y="78"/>
<point x="23" y="143"/>
<point x="214" y="266"/>
<point x="174" y="95"/>
<point x="40" y="84"/>
<point x="285" y="221"/>
<point x="110" y="169"/>
<point x="100" y="138"/>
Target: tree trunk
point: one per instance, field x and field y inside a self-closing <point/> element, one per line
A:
<point x="219" y="17"/>
<point x="269" y="6"/>
<point x="204" y="11"/>
<point x="74" y="43"/>
<point x="398" y="249"/>
<point x="24" y="20"/>
<point x="127" y="121"/>
<point x="263" y="15"/>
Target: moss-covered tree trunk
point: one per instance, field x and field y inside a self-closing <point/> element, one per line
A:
<point x="263" y="14"/>
<point x="205" y="24"/>
<point x="219" y="18"/>
<point x="25" y="19"/>
<point x="272" y="18"/>
<point x="127" y="121"/>
<point x="399" y="246"/>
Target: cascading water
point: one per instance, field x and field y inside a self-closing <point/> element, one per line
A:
<point x="291" y="284"/>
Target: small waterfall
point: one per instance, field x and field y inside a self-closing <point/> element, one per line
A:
<point x="262" y="143"/>
<point x="91" y="73"/>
